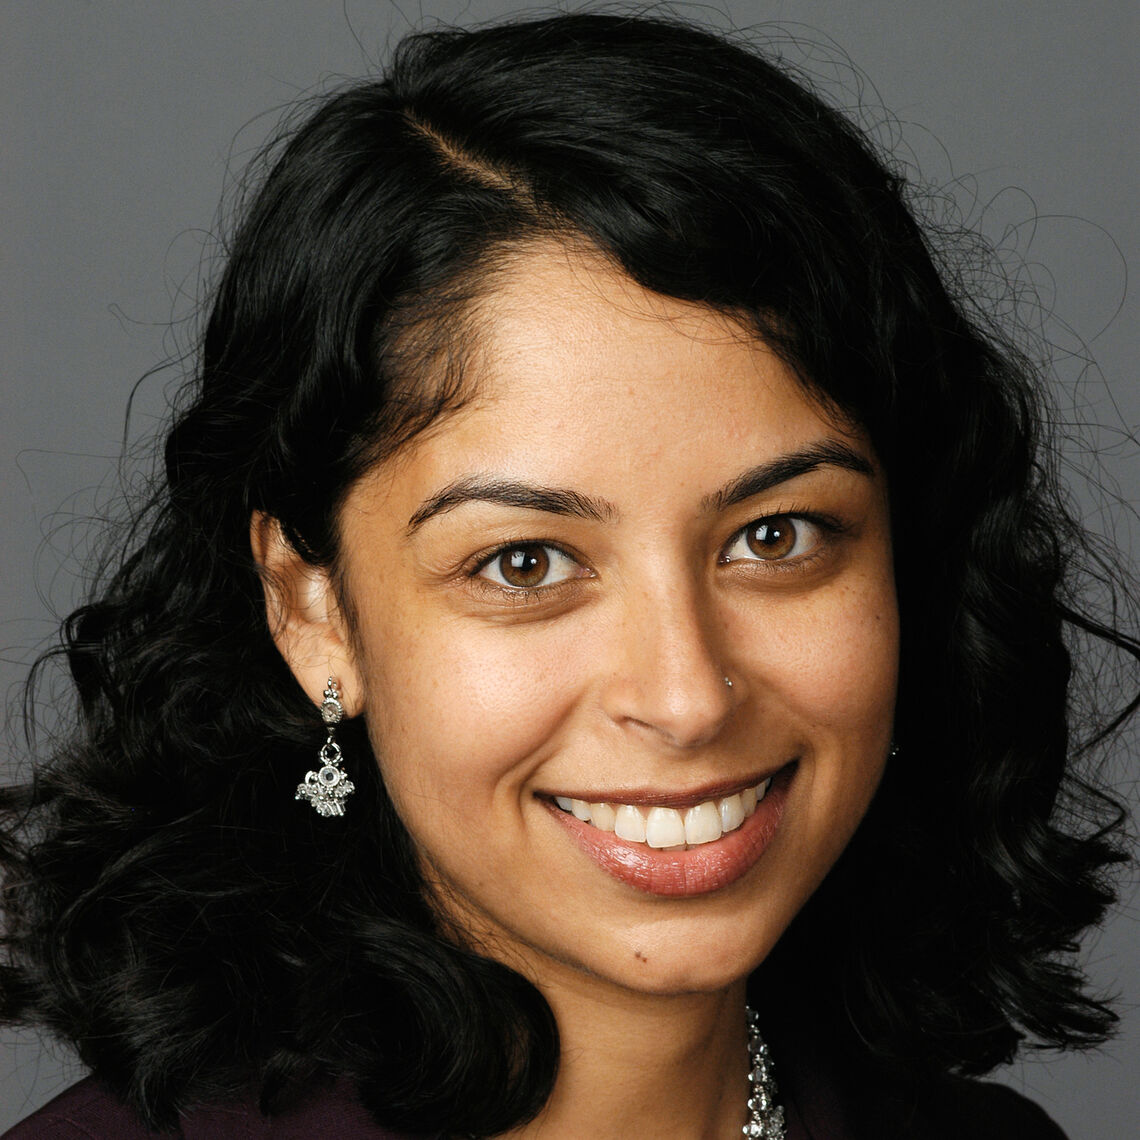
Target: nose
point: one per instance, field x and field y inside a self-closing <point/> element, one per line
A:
<point x="668" y="679"/>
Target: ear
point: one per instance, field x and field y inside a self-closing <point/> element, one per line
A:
<point x="305" y="618"/>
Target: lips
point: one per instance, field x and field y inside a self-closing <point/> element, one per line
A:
<point x="673" y="852"/>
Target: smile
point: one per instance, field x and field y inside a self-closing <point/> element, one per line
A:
<point x="677" y="851"/>
<point x="666" y="828"/>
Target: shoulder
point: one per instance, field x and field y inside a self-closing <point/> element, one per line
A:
<point x="86" y="1111"/>
<point x="950" y="1108"/>
<point x="982" y="1109"/>
<point x="90" y="1111"/>
<point x="827" y="1097"/>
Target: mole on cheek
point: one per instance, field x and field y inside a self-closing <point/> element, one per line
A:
<point x="639" y="956"/>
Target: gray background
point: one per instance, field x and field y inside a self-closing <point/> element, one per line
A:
<point x="123" y="117"/>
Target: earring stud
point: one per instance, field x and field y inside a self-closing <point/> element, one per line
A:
<point x="728" y="682"/>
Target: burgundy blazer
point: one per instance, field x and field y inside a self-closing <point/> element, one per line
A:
<point x="956" y="1110"/>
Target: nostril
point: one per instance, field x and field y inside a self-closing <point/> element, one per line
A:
<point x="684" y="715"/>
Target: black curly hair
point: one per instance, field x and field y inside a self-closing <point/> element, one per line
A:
<point x="192" y="931"/>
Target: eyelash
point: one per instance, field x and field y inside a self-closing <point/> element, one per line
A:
<point x="827" y="527"/>
<point x="524" y="593"/>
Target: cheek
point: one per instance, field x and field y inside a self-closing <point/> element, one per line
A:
<point x="463" y="710"/>
<point x="852" y="667"/>
<point x="833" y="660"/>
<point x="837" y="677"/>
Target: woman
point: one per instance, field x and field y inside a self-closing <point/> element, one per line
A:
<point x="604" y="582"/>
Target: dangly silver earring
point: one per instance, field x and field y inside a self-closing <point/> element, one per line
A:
<point x="327" y="787"/>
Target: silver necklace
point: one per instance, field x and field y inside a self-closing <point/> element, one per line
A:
<point x="765" y="1116"/>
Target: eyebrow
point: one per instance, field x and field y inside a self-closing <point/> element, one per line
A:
<point x="512" y="493"/>
<point x="563" y="501"/>
<point x="765" y="476"/>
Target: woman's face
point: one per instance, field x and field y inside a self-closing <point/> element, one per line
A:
<point x="549" y="590"/>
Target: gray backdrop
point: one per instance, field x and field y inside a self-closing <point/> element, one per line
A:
<point x="122" y="118"/>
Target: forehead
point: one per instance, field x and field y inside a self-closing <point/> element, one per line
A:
<point x="565" y="339"/>
<point x="582" y="378"/>
<point x="554" y="305"/>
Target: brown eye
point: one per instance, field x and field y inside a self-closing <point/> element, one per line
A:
<point x="772" y="537"/>
<point x="524" y="566"/>
<point x="530" y="566"/>
<point x="776" y="538"/>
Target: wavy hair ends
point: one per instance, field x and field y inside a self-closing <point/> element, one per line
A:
<point x="195" y="932"/>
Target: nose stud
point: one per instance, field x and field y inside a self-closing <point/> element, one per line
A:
<point x="728" y="682"/>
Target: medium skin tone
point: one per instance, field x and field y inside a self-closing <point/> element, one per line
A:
<point x="548" y="589"/>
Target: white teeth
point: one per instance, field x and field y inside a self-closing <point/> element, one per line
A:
<point x="629" y="823"/>
<point x="664" y="828"/>
<point x="603" y="816"/>
<point x="668" y="829"/>
<point x="702" y="824"/>
<point x="731" y="813"/>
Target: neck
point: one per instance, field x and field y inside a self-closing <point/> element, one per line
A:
<point x="636" y="1066"/>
